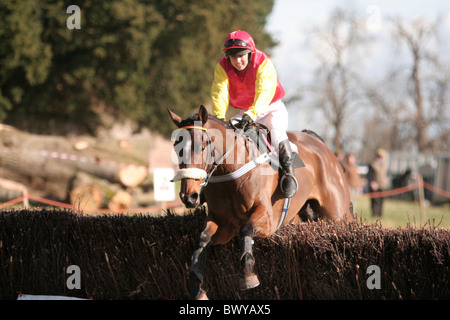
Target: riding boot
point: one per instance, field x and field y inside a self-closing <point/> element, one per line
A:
<point x="288" y="182"/>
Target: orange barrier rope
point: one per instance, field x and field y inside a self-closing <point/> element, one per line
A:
<point x="393" y="192"/>
<point x="51" y="202"/>
<point x="12" y="202"/>
<point x="71" y="207"/>
<point x="378" y="194"/>
<point x="388" y="193"/>
<point x="436" y="190"/>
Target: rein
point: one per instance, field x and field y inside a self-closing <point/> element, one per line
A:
<point x="201" y="174"/>
<point x="241" y="171"/>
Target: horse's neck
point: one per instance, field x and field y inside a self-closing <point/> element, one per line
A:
<point x="237" y="146"/>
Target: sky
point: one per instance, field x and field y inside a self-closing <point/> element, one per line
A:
<point x="291" y="21"/>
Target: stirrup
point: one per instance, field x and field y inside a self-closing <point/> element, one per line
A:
<point x="290" y="175"/>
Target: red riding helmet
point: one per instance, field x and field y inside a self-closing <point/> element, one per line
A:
<point x="239" y="40"/>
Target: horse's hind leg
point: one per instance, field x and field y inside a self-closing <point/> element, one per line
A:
<point x="250" y="279"/>
<point x="198" y="261"/>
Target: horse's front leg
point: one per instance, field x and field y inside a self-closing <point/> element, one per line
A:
<point x="198" y="261"/>
<point x="250" y="279"/>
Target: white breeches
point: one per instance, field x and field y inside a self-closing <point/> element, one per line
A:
<point x="275" y="118"/>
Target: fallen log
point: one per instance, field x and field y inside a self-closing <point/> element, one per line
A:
<point x="86" y="198"/>
<point x="12" y="190"/>
<point x="48" y="164"/>
<point x="132" y="176"/>
<point x="121" y="201"/>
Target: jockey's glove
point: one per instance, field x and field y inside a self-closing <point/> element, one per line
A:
<point x="245" y="122"/>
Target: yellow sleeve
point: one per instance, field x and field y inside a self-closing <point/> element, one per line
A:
<point x="265" y="87"/>
<point x="219" y="92"/>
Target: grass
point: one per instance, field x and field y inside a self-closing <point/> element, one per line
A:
<point x="398" y="213"/>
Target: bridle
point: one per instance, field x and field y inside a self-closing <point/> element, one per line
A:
<point x="211" y="165"/>
<point x="196" y="173"/>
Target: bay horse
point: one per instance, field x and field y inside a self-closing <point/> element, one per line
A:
<point x="249" y="204"/>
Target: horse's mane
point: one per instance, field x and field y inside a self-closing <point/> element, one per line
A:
<point x="226" y="124"/>
<point x="191" y="120"/>
<point x="314" y="134"/>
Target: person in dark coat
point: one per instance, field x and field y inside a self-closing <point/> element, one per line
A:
<point x="378" y="181"/>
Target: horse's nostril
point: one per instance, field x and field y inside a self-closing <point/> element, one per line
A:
<point x="193" y="197"/>
<point x="189" y="200"/>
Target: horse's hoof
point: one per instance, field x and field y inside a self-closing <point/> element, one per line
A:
<point x="201" y="295"/>
<point x="249" y="282"/>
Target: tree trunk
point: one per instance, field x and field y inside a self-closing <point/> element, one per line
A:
<point x="418" y="100"/>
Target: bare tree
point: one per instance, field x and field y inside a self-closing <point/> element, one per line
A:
<point x="428" y="83"/>
<point x="412" y="98"/>
<point x="390" y="125"/>
<point x="439" y="114"/>
<point x="336" y="46"/>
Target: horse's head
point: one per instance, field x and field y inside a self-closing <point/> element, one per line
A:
<point x="193" y="149"/>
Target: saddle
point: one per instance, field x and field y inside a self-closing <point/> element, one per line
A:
<point x="259" y="136"/>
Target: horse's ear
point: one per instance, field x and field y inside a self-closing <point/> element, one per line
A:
<point x="176" y="119"/>
<point x="203" y="114"/>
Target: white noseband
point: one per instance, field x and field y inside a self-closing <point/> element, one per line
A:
<point x="190" y="173"/>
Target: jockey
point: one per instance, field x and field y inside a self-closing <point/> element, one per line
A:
<point x="246" y="79"/>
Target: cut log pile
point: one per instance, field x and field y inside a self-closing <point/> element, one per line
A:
<point x="88" y="172"/>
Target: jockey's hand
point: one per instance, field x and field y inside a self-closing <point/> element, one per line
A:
<point x="245" y="122"/>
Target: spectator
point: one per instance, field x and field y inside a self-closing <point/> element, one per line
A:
<point x="351" y="172"/>
<point x="378" y="181"/>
